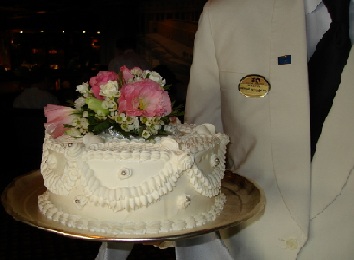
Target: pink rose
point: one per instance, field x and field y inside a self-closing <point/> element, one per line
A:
<point x="127" y="75"/>
<point x="101" y="79"/>
<point x="57" y="116"/>
<point x="144" y="98"/>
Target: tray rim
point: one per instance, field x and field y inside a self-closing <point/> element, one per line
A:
<point x="40" y="222"/>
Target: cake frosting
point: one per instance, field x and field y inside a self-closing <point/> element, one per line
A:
<point x="113" y="185"/>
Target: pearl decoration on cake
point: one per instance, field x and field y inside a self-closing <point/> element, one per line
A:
<point x="80" y="201"/>
<point x="124" y="173"/>
<point x="214" y="160"/>
<point x="217" y="161"/>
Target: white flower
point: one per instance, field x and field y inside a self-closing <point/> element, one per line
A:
<point x="136" y="71"/>
<point x="135" y="122"/>
<point x="119" y="118"/>
<point x="83" y="88"/>
<point x="80" y="122"/>
<point x="153" y="75"/>
<point x="136" y="78"/>
<point x="110" y="89"/>
<point x="125" y="127"/>
<point x="79" y="103"/>
<point x="109" y="104"/>
<point x="84" y="123"/>
<point x="100" y="114"/>
<point x="145" y="134"/>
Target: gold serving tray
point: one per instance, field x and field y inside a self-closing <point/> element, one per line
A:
<point x="243" y="201"/>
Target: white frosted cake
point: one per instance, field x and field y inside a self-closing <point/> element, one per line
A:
<point x="120" y="162"/>
<point x="120" y="186"/>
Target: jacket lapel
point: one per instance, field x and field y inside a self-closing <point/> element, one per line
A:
<point x="290" y="126"/>
<point x="334" y="157"/>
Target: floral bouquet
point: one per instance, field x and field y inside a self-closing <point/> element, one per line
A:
<point x="133" y="103"/>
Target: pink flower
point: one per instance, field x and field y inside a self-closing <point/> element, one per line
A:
<point x="144" y="98"/>
<point x="57" y="116"/>
<point x="127" y="75"/>
<point x="101" y="79"/>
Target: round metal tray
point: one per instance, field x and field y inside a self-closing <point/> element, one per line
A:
<point x="243" y="201"/>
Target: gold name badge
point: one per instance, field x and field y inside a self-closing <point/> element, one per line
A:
<point x="254" y="86"/>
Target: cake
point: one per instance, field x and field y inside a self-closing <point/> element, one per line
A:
<point x="129" y="180"/>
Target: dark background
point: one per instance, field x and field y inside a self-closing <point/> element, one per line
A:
<point x="48" y="34"/>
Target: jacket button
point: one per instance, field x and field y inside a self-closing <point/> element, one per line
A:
<point x="291" y="243"/>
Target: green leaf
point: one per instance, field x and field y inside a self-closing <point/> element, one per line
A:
<point x="100" y="127"/>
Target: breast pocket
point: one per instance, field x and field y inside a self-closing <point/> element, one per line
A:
<point x="245" y="119"/>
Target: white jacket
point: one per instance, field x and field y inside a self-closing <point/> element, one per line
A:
<point x="309" y="210"/>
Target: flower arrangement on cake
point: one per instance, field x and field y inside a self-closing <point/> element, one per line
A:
<point x="131" y="103"/>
